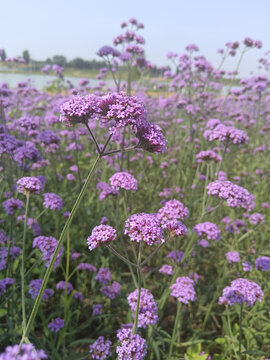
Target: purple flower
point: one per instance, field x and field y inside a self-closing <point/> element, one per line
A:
<point x="166" y="269"/>
<point x="97" y="309"/>
<point x="175" y="227"/>
<point x="246" y="266"/>
<point x="176" y="256"/>
<point x="203" y="243"/>
<point x="147" y="307"/>
<point x="233" y="257"/>
<point x="183" y="290"/>
<point x="235" y="195"/>
<point x="112" y="291"/>
<point x="207" y="156"/>
<point x="144" y="227"/>
<point x="151" y="138"/>
<point x="101" y="234"/>
<point x="226" y="133"/>
<point x="263" y="263"/>
<point x="47" y="245"/>
<point x="11" y="205"/>
<point x="172" y="210"/>
<point x="124" y="180"/>
<point x="106" y="190"/>
<point x="29" y="185"/>
<point x="100" y="349"/>
<point x="52" y="201"/>
<point x="107" y="51"/>
<point x="56" y="325"/>
<point x="4" y="283"/>
<point x="34" y="288"/>
<point x="86" y="266"/>
<point x="256" y="218"/>
<point x="62" y="285"/>
<point x="22" y="352"/>
<point x="209" y="229"/>
<point x="79" y="109"/>
<point x="104" y="275"/>
<point x="241" y="291"/>
<point x="78" y="296"/>
<point x="131" y="346"/>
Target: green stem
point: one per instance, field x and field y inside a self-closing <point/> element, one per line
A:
<point x="230" y="330"/>
<point x="22" y="264"/>
<point x="60" y="242"/>
<point x="120" y="256"/>
<point x="241" y="329"/>
<point x="176" y="328"/>
<point x="135" y="326"/>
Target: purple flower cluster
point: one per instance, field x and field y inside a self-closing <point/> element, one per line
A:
<point x="208" y="229"/>
<point x="124" y="180"/>
<point x="176" y="256"/>
<point x="112" y="291"/>
<point x="147" y="307"/>
<point x="52" y="201"/>
<point x="241" y="291"/>
<point x="47" y="245"/>
<point x="34" y="288"/>
<point x="104" y="275"/>
<point x="4" y="283"/>
<point x="101" y="234"/>
<point x="207" y="156"/>
<point x="166" y="269"/>
<point x="151" y="138"/>
<point x="10" y="205"/>
<point x="29" y="185"/>
<point x="22" y="352"/>
<point x="256" y="218"/>
<point x="106" y="190"/>
<point x="62" y="285"/>
<point x="86" y="266"/>
<point x="226" y="133"/>
<point x="56" y="325"/>
<point x="172" y="210"/>
<point x="263" y="263"/>
<point x="235" y="195"/>
<point x="97" y="309"/>
<point x="131" y="346"/>
<point x="183" y="290"/>
<point x="144" y="227"/>
<point x="233" y="257"/>
<point x="100" y="349"/>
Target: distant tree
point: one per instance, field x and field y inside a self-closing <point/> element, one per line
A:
<point x="26" y="56"/>
<point x="59" y="60"/>
<point x="3" y="55"/>
<point x="77" y="63"/>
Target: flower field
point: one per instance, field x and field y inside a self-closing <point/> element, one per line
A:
<point x="134" y="220"/>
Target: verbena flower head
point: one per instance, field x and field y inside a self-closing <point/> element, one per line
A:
<point x="56" y="325"/>
<point x="124" y="180"/>
<point x="144" y="227"/>
<point x="107" y="51"/>
<point x="79" y="109"/>
<point x="112" y="291"/>
<point x="52" y="201"/>
<point x="100" y="349"/>
<point x="172" y="210"/>
<point x="101" y="234"/>
<point x="263" y="263"/>
<point x="241" y="291"/>
<point x="11" y="205"/>
<point x="233" y="257"/>
<point x="235" y="195"/>
<point x="226" y="133"/>
<point x="104" y="275"/>
<point x="106" y="190"/>
<point x="23" y="352"/>
<point x="34" y="288"/>
<point x="29" y="185"/>
<point x="256" y="218"/>
<point x="131" y="346"/>
<point x="97" y="309"/>
<point x="175" y="228"/>
<point x="151" y="138"/>
<point x="207" y="156"/>
<point x="176" y="256"/>
<point x="147" y="307"/>
<point x="207" y="229"/>
<point x="166" y="269"/>
<point x="183" y="290"/>
<point x="86" y="266"/>
<point x="47" y="245"/>
<point x="4" y="283"/>
<point x="62" y="285"/>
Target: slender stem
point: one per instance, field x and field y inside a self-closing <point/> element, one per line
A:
<point x="41" y="213"/>
<point x="176" y="327"/>
<point x="230" y="329"/>
<point x="66" y="287"/>
<point x="135" y="326"/>
<point x="93" y="137"/>
<point x="22" y="264"/>
<point x="121" y="150"/>
<point x="241" y="329"/>
<point x="60" y="242"/>
<point x="120" y="256"/>
<point x="152" y="254"/>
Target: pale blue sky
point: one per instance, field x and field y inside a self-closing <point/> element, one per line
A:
<point x="80" y="27"/>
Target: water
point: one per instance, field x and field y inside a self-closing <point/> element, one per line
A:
<point x="41" y="81"/>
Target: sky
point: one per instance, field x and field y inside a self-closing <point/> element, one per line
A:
<point x="78" y="28"/>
